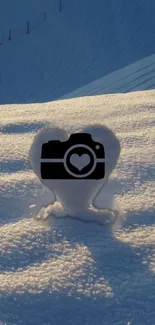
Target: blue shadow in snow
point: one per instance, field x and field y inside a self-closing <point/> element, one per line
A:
<point x="22" y="128"/>
<point x="13" y="166"/>
<point x="113" y="260"/>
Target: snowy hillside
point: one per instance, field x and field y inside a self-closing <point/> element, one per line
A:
<point x="75" y="271"/>
<point x="84" y="42"/>
<point x="66" y="271"/>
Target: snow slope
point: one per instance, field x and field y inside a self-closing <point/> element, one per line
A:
<point x="73" y="271"/>
<point x="84" y="42"/>
<point x="70" y="272"/>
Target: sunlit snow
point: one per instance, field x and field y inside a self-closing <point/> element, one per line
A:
<point x="67" y="271"/>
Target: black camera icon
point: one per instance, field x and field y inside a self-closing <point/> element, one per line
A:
<point x="77" y="158"/>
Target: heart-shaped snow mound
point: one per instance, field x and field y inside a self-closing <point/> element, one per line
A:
<point x="76" y="195"/>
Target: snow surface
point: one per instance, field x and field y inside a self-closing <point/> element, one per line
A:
<point x="80" y="44"/>
<point x="73" y="272"/>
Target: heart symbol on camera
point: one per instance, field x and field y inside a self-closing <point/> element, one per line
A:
<point x="76" y="195"/>
<point x="80" y="161"/>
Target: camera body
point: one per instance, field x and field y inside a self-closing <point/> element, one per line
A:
<point x="77" y="158"/>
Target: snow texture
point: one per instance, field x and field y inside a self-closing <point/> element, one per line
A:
<point x="97" y="58"/>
